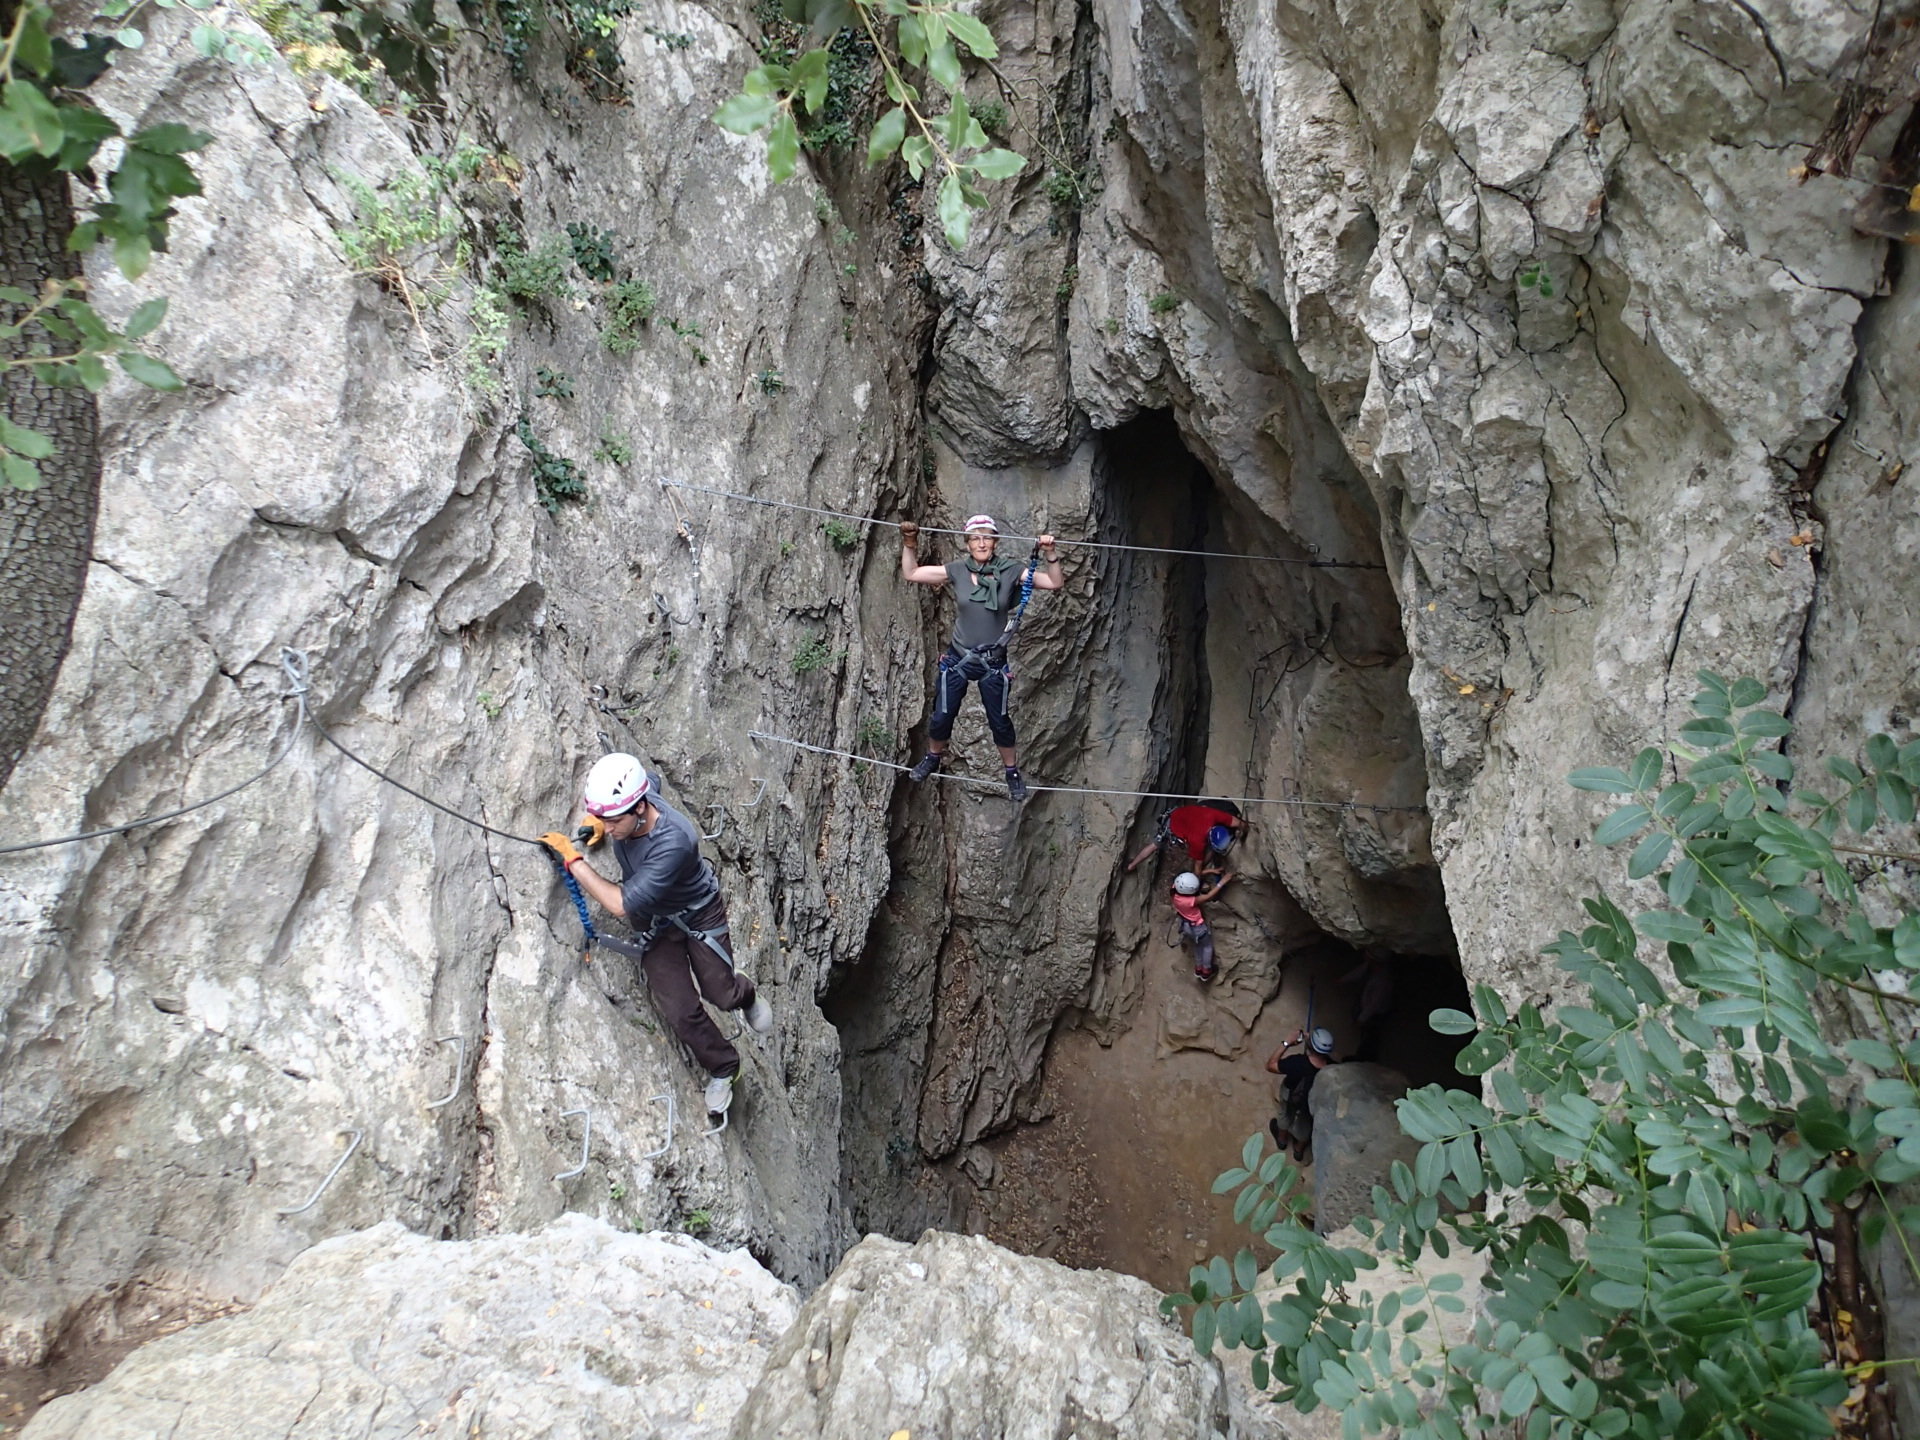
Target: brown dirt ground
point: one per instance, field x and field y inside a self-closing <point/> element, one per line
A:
<point x="1120" y="1177"/>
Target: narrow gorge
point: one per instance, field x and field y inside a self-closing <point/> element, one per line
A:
<point x="1440" y="387"/>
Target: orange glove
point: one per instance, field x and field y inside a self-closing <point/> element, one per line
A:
<point x="591" y="832"/>
<point x="560" y="845"/>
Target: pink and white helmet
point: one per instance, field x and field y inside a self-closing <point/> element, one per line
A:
<point x="981" y="523"/>
<point x="615" y="785"/>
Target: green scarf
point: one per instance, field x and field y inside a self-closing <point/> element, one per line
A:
<point x="986" y="580"/>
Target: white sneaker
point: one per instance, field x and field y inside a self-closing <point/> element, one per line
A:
<point x="760" y="1016"/>
<point x="719" y="1094"/>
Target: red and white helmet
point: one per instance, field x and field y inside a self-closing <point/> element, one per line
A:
<point x="615" y="785"/>
<point x="981" y="524"/>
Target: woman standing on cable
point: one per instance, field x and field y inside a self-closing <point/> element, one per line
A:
<point x="987" y="587"/>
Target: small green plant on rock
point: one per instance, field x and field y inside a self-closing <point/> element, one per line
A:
<point x="698" y="1222"/>
<point x="992" y="116"/>
<point x="614" y="448"/>
<point x="873" y="736"/>
<point x="395" y="235"/>
<point x="1534" y="277"/>
<point x="592" y="251"/>
<point x="490" y="704"/>
<point x="1070" y="277"/>
<point x="537" y="274"/>
<point x="770" y="381"/>
<point x="841" y="535"/>
<point x="689" y="331"/>
<point x="487" y="328"/>
<point x="1670" y="1185"/>
<point x="630" y="305"/>
<point x="1165" y="302"/>
<point x="814" y="654"/>
<point x="552" y="384"/>
<point x="556" y="479"/>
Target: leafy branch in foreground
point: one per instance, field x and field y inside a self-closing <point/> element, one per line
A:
<point x="906" y="37"/>
<point x="1664" y="1175"/>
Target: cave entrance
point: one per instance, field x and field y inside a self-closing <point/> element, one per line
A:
<point x="1286" y="682"/>
<point x="1266" y="680"/>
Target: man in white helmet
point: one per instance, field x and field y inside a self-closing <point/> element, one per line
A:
<point x="987" y="588"/>
<point x="671" y="896"/>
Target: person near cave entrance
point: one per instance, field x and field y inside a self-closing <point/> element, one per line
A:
<point x="671" y="897"/>
<point x="1187" y="900"/>
<point x="1205" y="830"/>
<point x="988" y="590"/>
<point x="1294" y="1125"/>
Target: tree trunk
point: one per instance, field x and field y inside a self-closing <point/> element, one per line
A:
<point x="46" y="535"/>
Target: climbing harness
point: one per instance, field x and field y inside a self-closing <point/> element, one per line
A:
<point x="1088" y="789"/>
<point x="1310" y="564"/>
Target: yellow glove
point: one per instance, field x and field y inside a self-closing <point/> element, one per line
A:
<point x="591" y="832"/>
<point x="560" y="845"/>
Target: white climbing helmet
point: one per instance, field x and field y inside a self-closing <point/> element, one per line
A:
<point x="1186" y="883"/>
<point x="983" y="524"/>
<point x="615" y="785"/>
<point x="1320" y="1040"/>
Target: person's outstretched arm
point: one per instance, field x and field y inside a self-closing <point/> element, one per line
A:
<point x="1049" y="578"/>
<point x="1219" y="885"/>
<point x="910" y="567"/>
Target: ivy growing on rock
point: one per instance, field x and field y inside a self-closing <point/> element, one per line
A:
<point x="1662" y="1178"/>
<point x="907" y="38"/>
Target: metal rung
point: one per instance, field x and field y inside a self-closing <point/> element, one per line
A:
<point x="353" y="1144"/>
<point x="459" y="1069"/>
<point x="668" y="1143"/>
<point x="586" y="1144"/>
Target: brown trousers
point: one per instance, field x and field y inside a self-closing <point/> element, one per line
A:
<point x="673" y="964"/>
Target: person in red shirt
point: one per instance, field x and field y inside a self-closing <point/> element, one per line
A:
<point x="1205" y="830"/>
<point x="1187" y="900"/>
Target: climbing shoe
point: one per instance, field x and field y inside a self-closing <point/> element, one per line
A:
<point x="1205" y="975"/>
<point x="928" y="763"/>
<point x="719" y="1094"/>
<point x="1016" y="784"/>
<point x="760" y="1017"/>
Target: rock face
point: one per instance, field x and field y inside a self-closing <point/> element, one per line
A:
<point x="575" y="1331"/>
<point x="1356" y="1139"/>
<point x="954" y="1336"/>
<point x="197" y="1013"/>
<point x="581" y="1331"/>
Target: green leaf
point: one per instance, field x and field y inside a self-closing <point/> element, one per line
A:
<point x="151" y="372"/>
<point x="1623" y="823"/>
<point x="1669" y="926"/>
<point x="783" y="147"/>
<point x="132" y="254"/>
<point x="34" y="49"/>
<point x="956" y="121"/>
<point x="1229" y="1180"/>
<point x="943" y="63"/>
<point x="888" y="131"/>
<point x="971" y="33"/>
<point x="1452" y="1022"/>
<point x="1896" y="798"/>
<point x="22" y="441"/>
<point x="1765" y="723"/>
<point x="29" y="122"/>
<point x="1747" y="691"/>
<point x="1604" y="778"/>
<point x="917" y="151"/>
<point x="146" y="318"/>
<point x="1649" y="855"/>
<point x="20" y="472"/>
<point x="86" y="130"/>
<point x="1203" y="1329"/>
<point x="170" y="138"/>
<point x="913" y="41"/>
<point x="998" y="164"/>
<point x="1646" y="769"/>
<point x="131" y="38"/>
<point x="744" y="114"/>
<point x="810" y="77"/>
<point x="956" y="219"/>
<point x="1246" y="1270"/>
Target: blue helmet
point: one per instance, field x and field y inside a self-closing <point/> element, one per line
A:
<point x="1219" y="838"/>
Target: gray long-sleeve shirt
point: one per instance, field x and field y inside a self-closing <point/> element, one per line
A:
<point x="661" y="872"/>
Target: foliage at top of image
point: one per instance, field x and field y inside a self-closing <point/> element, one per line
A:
<point x="48" y="123"/>
<point x="907" y="38"/>
<point x="1647" y="1180"/>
